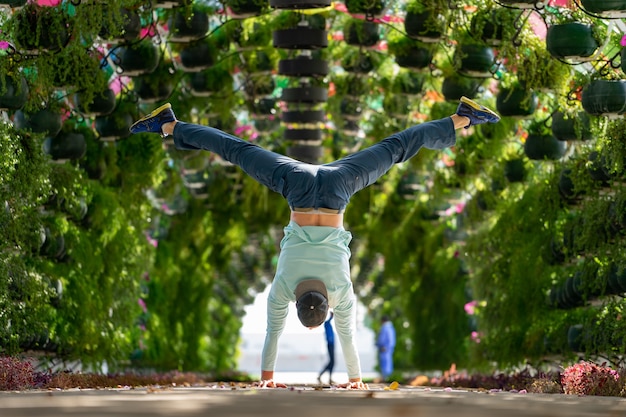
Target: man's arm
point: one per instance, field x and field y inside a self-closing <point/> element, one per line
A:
<point x="345" y="325"/>
<point x="277" y="310"/>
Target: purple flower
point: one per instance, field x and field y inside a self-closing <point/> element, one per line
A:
<point x="623" y="41"/>
<point x="5" y="45"/>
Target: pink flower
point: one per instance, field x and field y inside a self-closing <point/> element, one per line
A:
<point x="470" y="308"/>
<point x="475" y="337"/>
<point x="142" y="304"/>
<point x="623" y="41"/>
<point x="4" y="45"/>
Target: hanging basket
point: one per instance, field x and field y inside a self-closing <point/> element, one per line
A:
<point x="260" y="86"/>
<point x="47" y="121"/>
<point x="303" y="66"/>
<point x="351" y="109"/>
<point x="13" y="3"/>
<point x="113" y="127"/>
<point x="300" y="38"/>
<point x="474" y="60"/>
<point x="310" y="154"/>
<point x="361" y="64"/>
<point x="187" y="28"/>
<point x="573" y="41"/>
<point x="307" y="135"/>
<point x="516" y="102"/>
<point x="65" y="146"/>
<point x="244" y="8"/>
<point x="39" y="29"/>
<point x="544" y="147"/>
<point x="210" y="81"/>
<point x="311" y="94"/>
<point x="455" y="87"/>
<point x="369" y="8"/>
<point x="522" y="4"/>
<point x="129" y="31"/>
<point x="612" y="9"/>
<point x="515" y="170"/>
<point x="196" y="57"/>
<point x="423" y="26"/>
<point x="299" y="4"/>
<point x="415" y="58"/>
<point x="101" y="104"/>
<point x="13" y="92"/>
<point x="605" y="98"/>
<point x="362" y="33"/>
<point x="574" y="128"/>
<point x="137" y="59"/>
<point x="303" y="116"/>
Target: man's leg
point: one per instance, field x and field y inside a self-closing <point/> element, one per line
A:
<point x="268" y="168"/>
<point x="363" y="168"/>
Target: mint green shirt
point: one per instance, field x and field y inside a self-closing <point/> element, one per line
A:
<point x="322" y="253"/>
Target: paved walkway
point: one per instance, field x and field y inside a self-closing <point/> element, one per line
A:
<point x="302" y="401"/>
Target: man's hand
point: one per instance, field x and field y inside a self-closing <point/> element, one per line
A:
<point x="354" y="385"/>
<point x="268" y="383"/>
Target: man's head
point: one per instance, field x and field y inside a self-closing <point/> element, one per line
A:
<point x="311" y="302"/>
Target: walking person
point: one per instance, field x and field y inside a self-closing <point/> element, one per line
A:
<point x="386" y="343"/>
<point x="330" y="343"/>
<point x="313" y="265"/>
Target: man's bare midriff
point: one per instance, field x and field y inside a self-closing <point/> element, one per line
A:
<point x="316" y="219"/>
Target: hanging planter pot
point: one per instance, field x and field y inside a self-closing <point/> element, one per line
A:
<point x="65" y="146"/>
<point x="516" y="102"/>
<point x="397" y="105"/>
<point x="605" y="98"/>
<point x="409" y="83"/>
<point x="358" y="63"/>
<point x="515" y="170"/>
<point x="156" y="86"/>
<point x="263" y="106"/>
<point x="303" y="66"/>
<point x="369" y="8"/>
<point x="185" y="27"/>
<point x="47" y="121"/>
<point x="310" y="154"/>
<point x="139" y="58"/>
<point x="571" y="127"/>
<point x="39" y="29"/>
<point x="13" y="3"/>
<point x="259" y="61"/>
<point x="351" y="109"/>
<point x="306" y="94"/>
<point x="410" y="53"/>
<point x="489" y="25"/>
<point x="303" y="135"/>
<point x="240" y="9"/>
<point x="573" y="41"/>
<point x="300" y="38"/>
<point x="114" y="126"/>
<point x="260" y="86"/>
<point x="612" y="9"/>
<point x="196" y="56"/>
<point x="13" y="92"/>
<point x="54" y="245"/>
<point x="455" y="86"/>
<point x="303" y="116"/>
<point x="361" y="33"/>
<point x="425" y="26"/>
<point x="596" y="167"/>
<point x="266" y="124"/>
<point x="474" y="60"/>
<point x="210" y="81"/>
<point x="299" y="4"/>
<point x="101" y="104"/>
<point x="130" y="29"/>
<point x="567" y="188"/>
<point x="540" y="147"/>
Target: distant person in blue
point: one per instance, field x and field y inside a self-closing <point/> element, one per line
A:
<point x="330" y="342"/>
<point x="313" y="267"/>
<point x="386" y="343"/>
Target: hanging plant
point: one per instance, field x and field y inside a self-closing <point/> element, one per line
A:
<point x="116" y="125"/>
<point x="571" y="41"/>
<point x="474" y="60"/>
<point x="541" y="145"/>
<point x="13" y="91"/>
<point x="46" y="120"/>
<point x="216" y="79"/>
<point x="494" y="25"/>
<point x="367" y="7"/>
<point x="358" y="32"/>
<point x="568" y="126"/>
<point x="246" y="8"/>
<point x="188" y="26"/>
<point x="119" y="25"/>
<point x="426" y="21"/>
<point x="612" y="9"/>
<point x="35" y="29"/>
<point x="516" y="100"/>
<point x="605" y="97"/>
<point x="138" y="58"/>
<point x="408" y="52"/>
<point x="157" y="85"/>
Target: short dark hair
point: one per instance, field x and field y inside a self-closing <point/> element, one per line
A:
<point x="312" y="308"/>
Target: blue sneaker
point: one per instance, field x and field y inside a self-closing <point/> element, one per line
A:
<point x="476" y="113"/>
<point x="153" y="122"/>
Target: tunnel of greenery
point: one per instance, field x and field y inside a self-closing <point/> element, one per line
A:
<point x="506" y="249"/>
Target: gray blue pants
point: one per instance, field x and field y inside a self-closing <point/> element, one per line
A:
<point x="328" y="186"/>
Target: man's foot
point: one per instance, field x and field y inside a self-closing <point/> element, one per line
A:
<point x="476" y="113"/>
<point x="153" y="122"/>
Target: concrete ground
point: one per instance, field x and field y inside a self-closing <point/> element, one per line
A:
<point x="302" y="401"/>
